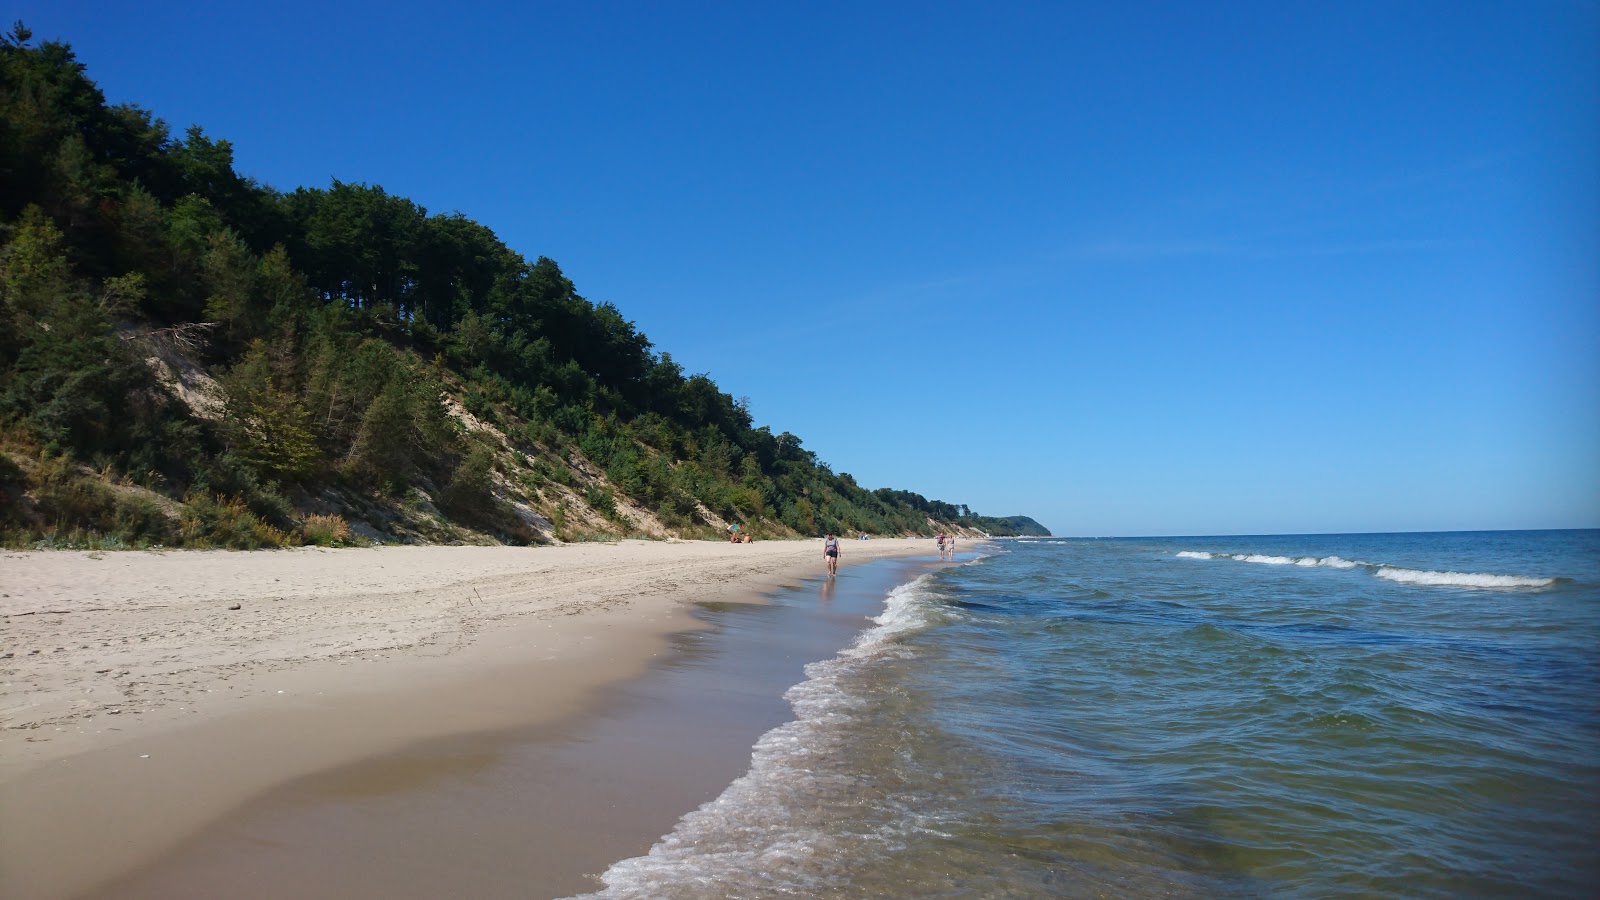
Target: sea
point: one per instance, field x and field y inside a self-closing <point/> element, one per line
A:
<point x="1374" y="715"/>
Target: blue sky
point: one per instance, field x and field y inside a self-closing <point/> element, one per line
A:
<point x="1156" y="269"/>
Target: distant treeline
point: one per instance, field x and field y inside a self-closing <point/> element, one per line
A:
<point x="190" y="357"/>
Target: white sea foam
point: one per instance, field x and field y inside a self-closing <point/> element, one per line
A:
<point x="1326" y="562"/>
<point x="1382" y="570"/>
<point x="767" y="825"/>
<point x="1461" y="579"/>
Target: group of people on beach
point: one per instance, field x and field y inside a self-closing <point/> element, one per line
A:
<point x="735" y="536"/>
<point x="830" y="549"/>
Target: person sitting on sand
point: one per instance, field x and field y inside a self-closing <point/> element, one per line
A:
<point x="745" y="539"/>
<point x="830" y="553"/>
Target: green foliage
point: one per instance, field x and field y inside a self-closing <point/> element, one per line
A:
<point x="117" y="239"/>
<point x="558" y="473"/>
<point x="1007" y="526"/>
<point x="801" y="516"/>
<point x="601" y="500"/>
<point x="35" y="274"/>
<point x="227" y="475"/>
<point x="267" y="425"/>
<point x="470" y="498"/>
<point x="123" y="295"/>
<point x="213" y="521"/>
<point x="471" y="488"/>
<point x="70" y="502"/>
<point x="228" y="273"/>
<point x="66" y="497"/>
<point x="388" y="406"/>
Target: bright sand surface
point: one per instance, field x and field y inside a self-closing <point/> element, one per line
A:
<point x="137" y="706"/>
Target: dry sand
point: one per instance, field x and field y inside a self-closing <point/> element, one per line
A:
<point x="136" y="704"/>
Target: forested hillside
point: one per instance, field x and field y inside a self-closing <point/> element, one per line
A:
<point x="191" y="358"/>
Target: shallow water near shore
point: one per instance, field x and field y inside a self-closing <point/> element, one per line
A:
<point x="1377" y="715"/>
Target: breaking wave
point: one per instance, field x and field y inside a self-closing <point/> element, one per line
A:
<point x="1383" y="570"/>
<point x="769" y="830"/>
<point x="1461" y="579"/>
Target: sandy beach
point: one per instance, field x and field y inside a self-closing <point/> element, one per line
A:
<point x="144" y="694"/>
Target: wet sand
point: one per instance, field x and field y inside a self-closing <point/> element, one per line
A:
<point x="538" y="811"/>
<point x="334" y="677"/>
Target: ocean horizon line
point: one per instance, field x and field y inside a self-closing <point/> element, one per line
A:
<point x="1284" y="534"/>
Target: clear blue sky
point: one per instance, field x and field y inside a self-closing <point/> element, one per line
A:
<point x="1156" y="269"/>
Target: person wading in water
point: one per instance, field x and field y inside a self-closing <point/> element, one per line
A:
<point x="830" y="553"/>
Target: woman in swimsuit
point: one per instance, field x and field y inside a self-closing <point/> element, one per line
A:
<point x="830" y="553"/>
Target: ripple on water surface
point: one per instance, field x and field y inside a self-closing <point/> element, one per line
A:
<point x="1385" y="715"/>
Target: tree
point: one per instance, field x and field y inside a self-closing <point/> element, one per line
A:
<point x="266" y="424"/>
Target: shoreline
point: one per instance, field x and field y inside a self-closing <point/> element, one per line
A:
<point x="333" y="657"/>
<point x="541" y="811"/>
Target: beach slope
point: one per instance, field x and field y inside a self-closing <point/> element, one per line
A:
<point x="143" y="694"/>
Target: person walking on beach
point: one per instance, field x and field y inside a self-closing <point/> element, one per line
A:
<point x="941" y="545"/>
<point x="950" y="548"/>
<point x="830" y="554"/>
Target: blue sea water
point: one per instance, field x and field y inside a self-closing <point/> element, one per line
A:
<point x="1407" y="715"/>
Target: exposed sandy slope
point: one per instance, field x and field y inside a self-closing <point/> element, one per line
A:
<point x="135" y="704"/>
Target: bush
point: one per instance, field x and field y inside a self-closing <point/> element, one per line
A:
<point x="675" y="512"/>
<point x="470" y="499"/>
<point x="325" y="531"/>
<point x="480" y="406"/>
<point x="470" y="493"/>
<point x="601" y="500"/>
<point x="79" y="509"/>
<point x="540" y="433"/>
<point x="65" y="496"/>
<point x="562" y="475"/>
<point x="210" y="521"/>
<point x="229" y="476"/>
<point x="142" y="520"/>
